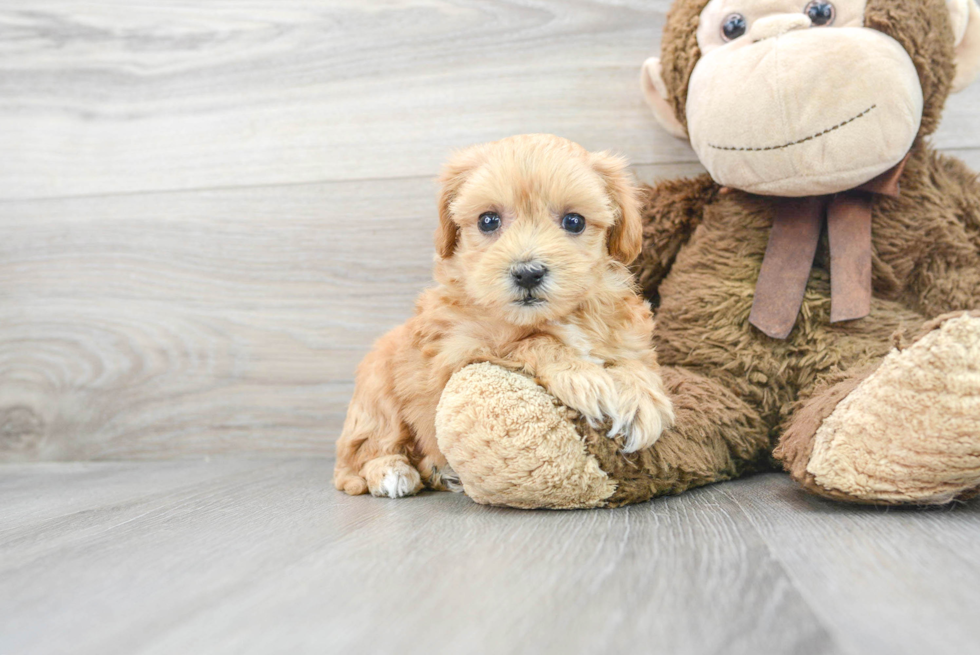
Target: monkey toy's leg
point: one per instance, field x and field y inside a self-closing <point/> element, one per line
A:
<point x="716" y="436"/>
<point x="512" y="444"/>
<point x="905" y="429"/>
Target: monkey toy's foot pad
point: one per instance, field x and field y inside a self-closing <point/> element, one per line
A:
<point x="511" y="444"/>
<point x="910" y="432"/>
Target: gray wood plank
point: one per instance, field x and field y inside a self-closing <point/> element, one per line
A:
<point x="136" y="326"/>
<point x="265" y="556"/>
<point x="127" y="96"/>
<point x="131" y="96"/>
<point x="914" y="571"/>
<point x="47" y="491"/>
<point x="272" y="558"/>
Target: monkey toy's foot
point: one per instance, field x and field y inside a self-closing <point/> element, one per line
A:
<point x="512" y="444"/>
<point x="907" y="431"/>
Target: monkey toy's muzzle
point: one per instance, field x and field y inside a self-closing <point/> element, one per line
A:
<point x="804" y="113"/>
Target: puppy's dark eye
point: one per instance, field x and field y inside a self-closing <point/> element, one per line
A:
<point x="733" y="27"/>
<point x="573" y="223"/>
<point x="489" y="222"/>
<point x="820" y="13"/>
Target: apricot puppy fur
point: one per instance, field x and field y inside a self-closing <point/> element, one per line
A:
<point x="534" y="237"/>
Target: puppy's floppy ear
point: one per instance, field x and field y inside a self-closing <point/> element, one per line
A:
<point x="626" y="235"/>
<point x="453" y="176"/>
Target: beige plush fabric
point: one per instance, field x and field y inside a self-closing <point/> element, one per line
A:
<point x="966" y="25"/>
<point x="655" y="93"/>
<point x="757" y="110"/>
<point x="795" y="143"/>
<point x="911" y="431"/>
<point x="512" y="444"/>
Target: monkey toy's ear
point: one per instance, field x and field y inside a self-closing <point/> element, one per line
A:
<point x="655" y="91"/>
<point x="965" y="16"/>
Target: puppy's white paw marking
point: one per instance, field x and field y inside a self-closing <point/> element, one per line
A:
<point x="394" y="480"/>
<point x="621" y="425"/>
<point x="643" y="431"/>
<point x="396" y="484"/>
<point x="642" y="411"/>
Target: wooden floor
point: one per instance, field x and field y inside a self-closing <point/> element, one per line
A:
<point x="259" y="556"/>
<point x="208" y="212"/>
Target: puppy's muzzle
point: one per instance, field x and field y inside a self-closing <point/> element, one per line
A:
<point x="529" y="276"/>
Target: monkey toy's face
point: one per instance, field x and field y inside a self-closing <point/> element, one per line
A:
<point x="798" y="97"/>
<point x="789" y="103"/>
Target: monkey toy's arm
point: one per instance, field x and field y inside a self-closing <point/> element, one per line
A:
<point x="946" y="277"/>
<point x="945" y="287"/>
<point x="671" y="211"/>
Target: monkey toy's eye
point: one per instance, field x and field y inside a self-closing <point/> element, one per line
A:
<point x="573" y="223"/>
<point x="733" y="27"/>
<point x="821" y="13"/>
<point x="489" y="222"/>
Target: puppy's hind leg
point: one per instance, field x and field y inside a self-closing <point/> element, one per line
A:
<point x="392" y="476"/>
<point x="373" y="447"/>
<point x="365" y="462"/>
<point x="371" y="457"/>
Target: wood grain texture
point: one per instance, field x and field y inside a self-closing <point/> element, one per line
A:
<point x="133" y="96"/>
<point x="848" y="559"/>
<point x="140" y="95"/>
<point x="209" y="211"/>
<point x="185" y="323"/>
<point x="257" y="556"/>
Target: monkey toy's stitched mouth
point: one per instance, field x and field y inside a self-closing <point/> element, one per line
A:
<point x="799" y="141"/>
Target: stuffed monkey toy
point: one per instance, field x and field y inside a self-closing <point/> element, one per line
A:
<point x="817" y="293"/>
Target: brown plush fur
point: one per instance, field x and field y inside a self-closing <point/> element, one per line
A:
<point x="703" y="251"/>
<point x="584" y="332"/>
<point x="705" y="293"/>
<point x="717" y="436"/>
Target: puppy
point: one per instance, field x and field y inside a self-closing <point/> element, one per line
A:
<point x="534" y="237"/>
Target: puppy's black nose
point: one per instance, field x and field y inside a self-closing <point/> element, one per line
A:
<point x="528" y="276"/>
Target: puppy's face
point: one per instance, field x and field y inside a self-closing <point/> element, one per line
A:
<point x="531" y="226"/>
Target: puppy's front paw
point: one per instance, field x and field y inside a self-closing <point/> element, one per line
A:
<point x="642" y="411"/>
<point x="391" y="477"/>
<point x="588" y="390"/>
